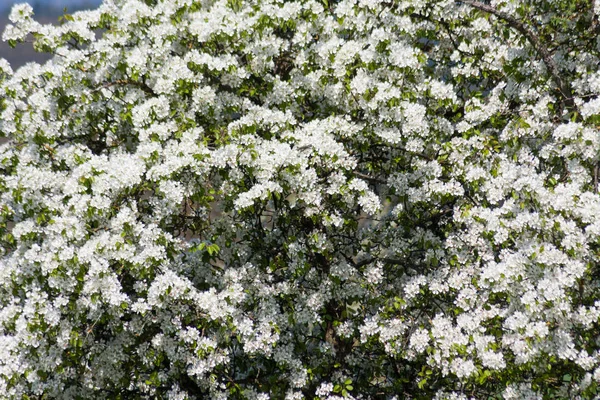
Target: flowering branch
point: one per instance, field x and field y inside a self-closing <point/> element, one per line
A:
<point x="563" y="86"/>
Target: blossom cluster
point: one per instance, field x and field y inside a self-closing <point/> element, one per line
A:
<point x="318" y="199"/>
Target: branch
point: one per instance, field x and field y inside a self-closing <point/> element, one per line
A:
<point x="368" y="178"/>
<point x="446" y="27"/>
<point x="367" y="261"/>
<point x="563" y="87"/>
<point x="596" y="178"/>
<point x="124" y="82"/>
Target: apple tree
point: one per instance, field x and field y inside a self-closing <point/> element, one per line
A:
<point x="311" y="199"/>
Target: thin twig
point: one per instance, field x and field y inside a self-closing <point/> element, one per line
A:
<point x="371" y="179"/>
<point x="124" y="82"/>
<point x="596" y="178"/>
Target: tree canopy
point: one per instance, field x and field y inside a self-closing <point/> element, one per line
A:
<point x="307" y="199"/>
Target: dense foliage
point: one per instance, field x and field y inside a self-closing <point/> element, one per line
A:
<point x="311" y="199"/>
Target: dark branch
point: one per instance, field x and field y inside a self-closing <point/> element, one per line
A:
<point x="124" y="82"/>
<point x="368" y="261"/>
<point x="368" y="178"/>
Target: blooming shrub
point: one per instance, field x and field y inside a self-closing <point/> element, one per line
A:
<point x="311" y="199"/>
